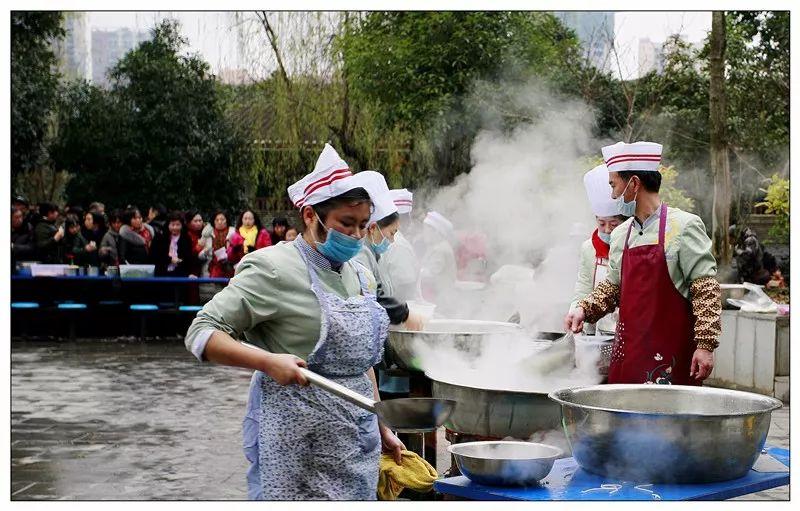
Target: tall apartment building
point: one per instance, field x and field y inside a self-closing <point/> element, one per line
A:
<point x="595" y="30"/>
<point x="108" y="47"/>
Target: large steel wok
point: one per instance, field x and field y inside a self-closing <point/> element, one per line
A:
<point x="407" y="349"/>
<point x="497" y="413"/>
<point x="665" y="433"/>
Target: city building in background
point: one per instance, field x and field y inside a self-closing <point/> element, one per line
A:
<point x="108" y="47"/>
<point x="595" y="30"/>
<point x="651" y="57"/>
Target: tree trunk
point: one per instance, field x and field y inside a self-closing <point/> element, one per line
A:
<point x="720" y="163"/>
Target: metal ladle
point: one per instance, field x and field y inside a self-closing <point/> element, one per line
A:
<point x="406" y="415"/>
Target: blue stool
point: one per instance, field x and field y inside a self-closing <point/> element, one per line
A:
<point x="24" y="305"/>
<point x="72" y="306"/>
<point x="190" y="308"/>
<point x="24" y="317"/>
<point x="145" y="309"/>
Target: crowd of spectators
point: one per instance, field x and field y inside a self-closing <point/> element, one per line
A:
<point x="177" y="243"/>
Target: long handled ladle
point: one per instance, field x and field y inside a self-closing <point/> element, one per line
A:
<point x="406" y="415"/>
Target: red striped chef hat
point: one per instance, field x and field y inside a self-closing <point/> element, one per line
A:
<point x="403" y="199"/>
<point x="639" y="156"/>
<point x="331" y="177"/>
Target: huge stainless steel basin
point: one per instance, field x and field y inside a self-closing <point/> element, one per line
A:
<point x="497" y="413"/>
<point x="665" y="433"/>
<point x="468" y="338"/>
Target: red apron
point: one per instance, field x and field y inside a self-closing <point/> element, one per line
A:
<point x="654" y="341"/>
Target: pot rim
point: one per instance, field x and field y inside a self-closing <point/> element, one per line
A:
<point x="501" y="391"/>
<point x="557" y="450"/>
<point x="513" y="327"/>
<point x="554" y="395"/>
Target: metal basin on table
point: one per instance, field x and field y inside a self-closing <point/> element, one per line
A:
<point x="665" y="433"/>
<point x="497" y="413"/>
<point x="407" y="349"/>
<point x="505" y="463"/>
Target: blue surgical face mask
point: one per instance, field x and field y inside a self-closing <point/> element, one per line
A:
<point x="605" y="236"/>
<point x="626" y="208"/>
<point x="383" y="246"/>
<point x="338" y="247"/>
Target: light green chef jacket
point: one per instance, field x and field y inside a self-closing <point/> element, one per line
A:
<point x="687" y="247"/>
<point x="367" y="257"/>
<point x="270" y="301"/>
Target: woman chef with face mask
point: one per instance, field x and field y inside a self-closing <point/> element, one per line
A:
<point x="308" y="305"/>
<point x="593" y="263"/>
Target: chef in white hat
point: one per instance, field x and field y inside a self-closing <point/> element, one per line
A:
<point x="593" y="263"/>
<point x="661" y="273"/>
<point x="399" y="265"/>
<point x="381" y="230"/>
<point x="306" y="304"/>
<point x="438" y="265"/>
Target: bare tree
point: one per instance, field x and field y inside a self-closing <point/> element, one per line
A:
<point x="720" y="162"/>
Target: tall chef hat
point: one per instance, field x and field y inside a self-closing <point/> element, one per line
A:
<point x="639" y="156"/>
<point x="442" y="225"/>
<point x="379" y="192"/>
<point x="331" y="177"/>
<point x="599" y="192"/>
<point x="403" y="199"/>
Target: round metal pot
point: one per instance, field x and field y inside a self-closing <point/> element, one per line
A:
<point x="498" y="413"/>
<point x="505" y="463"/>
<point x="665" y="433"/>
<point x="469" y="336"/>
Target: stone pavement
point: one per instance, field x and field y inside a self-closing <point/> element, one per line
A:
<point x="115" y="420"/>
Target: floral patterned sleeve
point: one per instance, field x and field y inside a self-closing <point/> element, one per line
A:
<point x="707" y="308"/>
<point x="604" y="299"/>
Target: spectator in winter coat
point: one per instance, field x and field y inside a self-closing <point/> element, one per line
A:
<point x="22" y="246"/>
<point x="48" y="238"/>
<point x="217" y="238"/>
<point x="135" y="238"/>
<point x="172" y="251"/>
<point x="77" y="250"/>
<point x="109" y="245"/>
<point x="194" y="229"/>
<point x="157" y="218"/>
<point x="249" y="236"/>
<point x="94" y="227"/>
<point x="278" y="233"/>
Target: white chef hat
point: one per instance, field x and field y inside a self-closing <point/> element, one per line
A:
<point x="442" y="225"/>
<point x="331" y="177"/>
<point x="403" y="199"/>
<point x="379" y="192"/>
<point x="639" y="156"/>
<point x="599" y="192"/>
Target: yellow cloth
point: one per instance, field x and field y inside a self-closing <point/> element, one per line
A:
<point x="249" y="234"/>
<point x="415" y="473"/>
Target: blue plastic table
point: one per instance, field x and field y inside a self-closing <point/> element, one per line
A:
<point x="569" y="482"/>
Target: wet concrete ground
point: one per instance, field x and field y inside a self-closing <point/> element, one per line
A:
<point x="115" y="420"/>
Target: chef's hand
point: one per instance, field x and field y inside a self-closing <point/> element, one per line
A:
<point x="414" y="322"/>
<point x="573" y="322"/>
<point x="284" y="369"/>
<point x="391" y="444"/>
<point x="702" y="364"/>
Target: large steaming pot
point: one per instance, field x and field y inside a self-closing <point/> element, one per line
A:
<point x="468" y="336"/>
<point x="497" y="413"/>
<point x="665" y="433"/>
